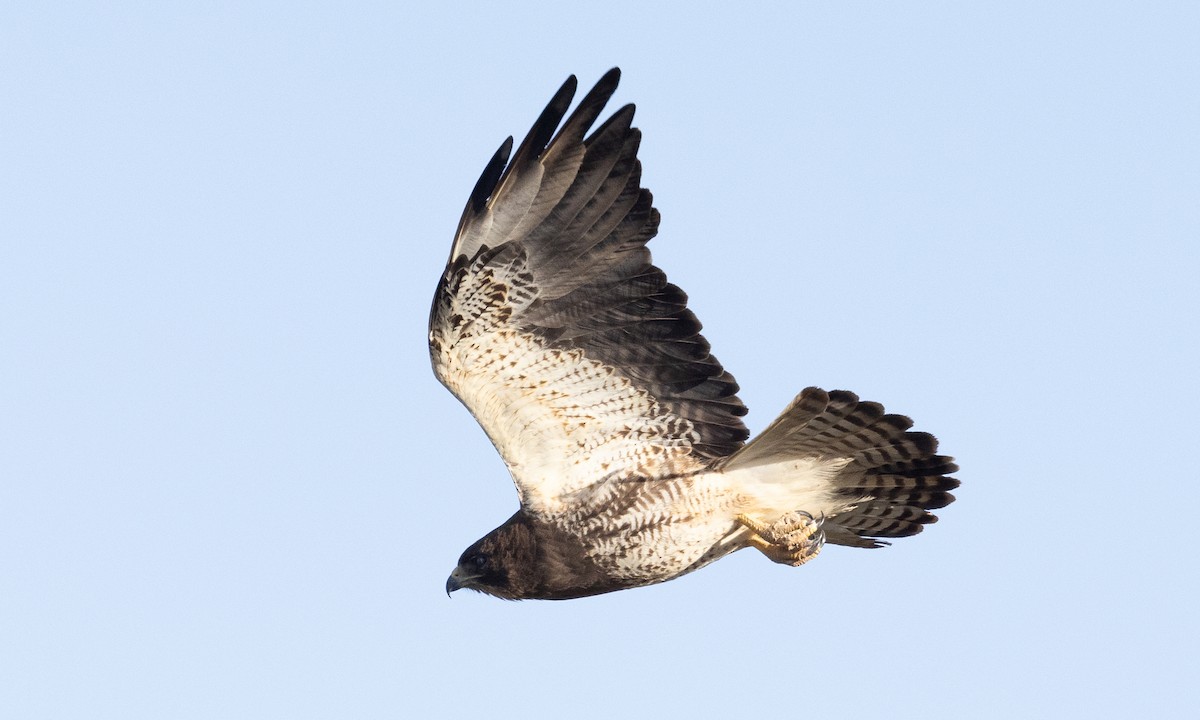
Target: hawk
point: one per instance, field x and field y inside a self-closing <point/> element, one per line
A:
<point x="622" y="432"/>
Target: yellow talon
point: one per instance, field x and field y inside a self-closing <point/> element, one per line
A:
<point x="789" y="544"/>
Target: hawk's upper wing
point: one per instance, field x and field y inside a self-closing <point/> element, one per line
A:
<point x="578" y="358"/>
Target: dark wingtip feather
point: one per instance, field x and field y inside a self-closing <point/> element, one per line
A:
<point x="621" y="120"/>
<point x="543" y="128"/>
<point x="609" y="80"/>
<point x="603" y="89"/>
<point x="485" y="185"/>
<point x="589" y="109"/>
<point x="491" y="175"/>
<point x="499" y="168"/>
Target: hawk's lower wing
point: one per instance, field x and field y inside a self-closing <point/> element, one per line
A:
<point x="551" y="324"/>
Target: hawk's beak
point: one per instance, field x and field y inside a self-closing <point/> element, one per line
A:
<point x="457" y="581"/>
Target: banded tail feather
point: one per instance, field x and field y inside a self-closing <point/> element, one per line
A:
<point x="873" y="477"/>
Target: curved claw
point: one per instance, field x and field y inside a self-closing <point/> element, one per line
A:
<point x="793" y="539"/>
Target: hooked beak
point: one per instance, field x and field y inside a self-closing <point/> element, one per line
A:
<point x="457" y="581"/>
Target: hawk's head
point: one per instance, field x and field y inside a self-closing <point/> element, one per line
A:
<point x="527" y="559"/>
<point x="498" y="564"/>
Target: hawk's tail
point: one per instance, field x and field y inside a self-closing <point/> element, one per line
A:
<point x="833" y="455"/>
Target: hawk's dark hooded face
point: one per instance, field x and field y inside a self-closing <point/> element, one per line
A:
<point x="525" y="559"/>
<point x="500" y="563"/>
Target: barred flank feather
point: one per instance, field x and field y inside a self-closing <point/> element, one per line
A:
<point x="894" y="476"/>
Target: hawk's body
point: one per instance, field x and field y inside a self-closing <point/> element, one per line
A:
<point x="622" y="433"/>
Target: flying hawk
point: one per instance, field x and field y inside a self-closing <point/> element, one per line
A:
<point x="622" y="432"/>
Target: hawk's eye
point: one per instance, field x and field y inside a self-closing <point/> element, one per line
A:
<point x="480" y="561"/>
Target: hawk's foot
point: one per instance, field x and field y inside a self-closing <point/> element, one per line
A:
<point x="793" y="539"/>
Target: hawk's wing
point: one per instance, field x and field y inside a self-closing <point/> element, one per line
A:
<point x="578" y="358"/>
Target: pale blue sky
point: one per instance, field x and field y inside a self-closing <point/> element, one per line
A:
<point x="230" y="486"/>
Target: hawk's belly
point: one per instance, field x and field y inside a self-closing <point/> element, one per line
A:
<point x="647" y="531"/>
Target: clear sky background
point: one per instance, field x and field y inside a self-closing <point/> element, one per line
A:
<point x="230" y="486"/>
